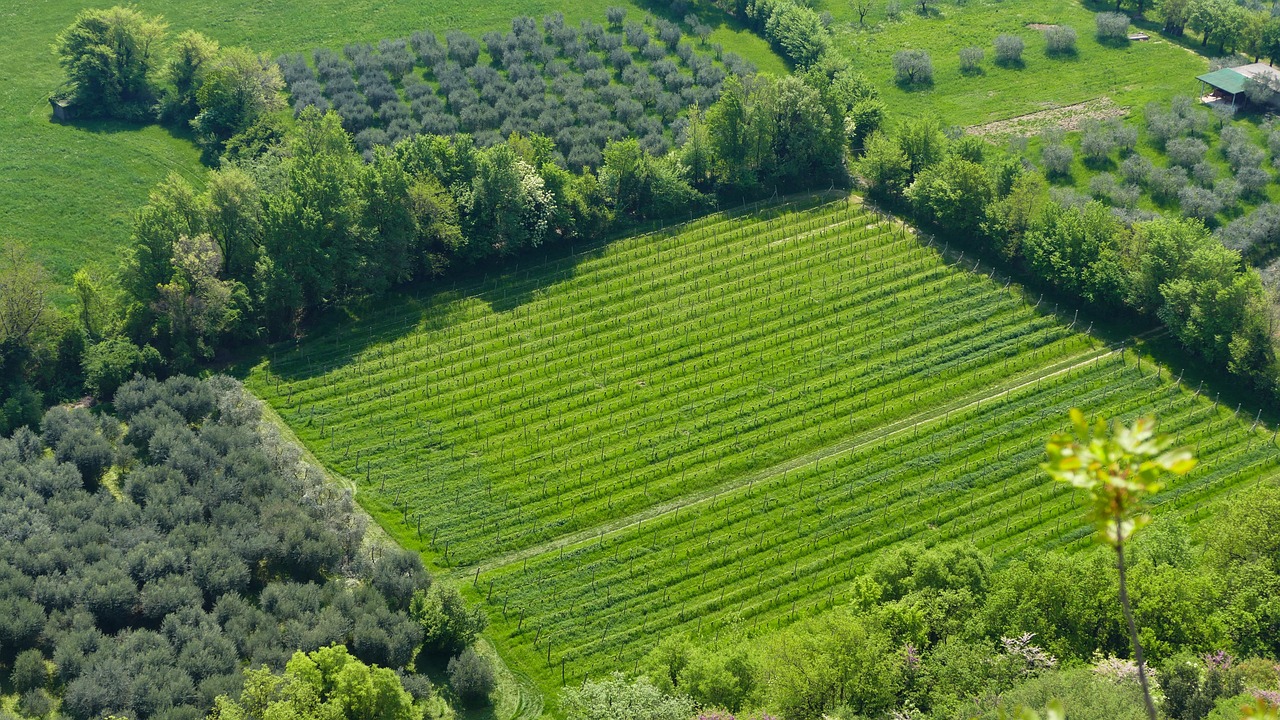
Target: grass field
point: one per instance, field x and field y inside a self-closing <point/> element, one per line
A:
<point x="71" y="191"/>
<point x="714" y="428"/>
<point x="1130" y="75"/>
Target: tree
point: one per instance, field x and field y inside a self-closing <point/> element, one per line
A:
<point x="109" y="56"/>
<point x="447" y="624"/>
<point x="923" y="142"/>
<point x="328" y="683"/>
<point x="1118" y="467"/>
<point x="471" y="676"/>
<point x="1175" y="14"/>
<point x="912" y="67"/>
<point x="862" y="8"/>
<point x="971" y="59"/>
<point x="617" y="699"/>
<point x="1056" y="158"/>
<point x="1009" y="50"/>
<point x="1111" y="26"/>
<point x="615" y="15"/>
<point x="238" y="88"/>
<point x="24" y="302"/>
<point x="1060" y="40"/>
<point x="190" y="56"/>
<point x="953" y="194"/>
<point x="884" y="166"/>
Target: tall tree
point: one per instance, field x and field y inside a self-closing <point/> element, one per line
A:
<point x="109" y="56"/>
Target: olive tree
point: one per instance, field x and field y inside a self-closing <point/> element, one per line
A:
<point x="1009" y="49"/>
<point x="912" y="67"/>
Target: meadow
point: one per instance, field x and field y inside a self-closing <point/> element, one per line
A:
<point x="70" y="191"/>
<point x="1129" y="74"/>
<point x="715" y="427"/>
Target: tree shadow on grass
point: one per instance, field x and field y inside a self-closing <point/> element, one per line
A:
<point x="339" y="336"/>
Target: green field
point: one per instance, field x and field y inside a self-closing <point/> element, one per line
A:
<point x="1130" y="75"/>
<point x="71" y="191"/>
<point x="714" y="428"/>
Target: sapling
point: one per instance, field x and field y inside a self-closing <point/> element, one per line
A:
<point x="1118" y="466"/>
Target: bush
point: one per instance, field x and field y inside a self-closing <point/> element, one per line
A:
<point x="1009" y="49"/>
<point x="1136" y="169"/>
<point x="1057" y="159"/>
<point x="1199" y="203"/>
<point x="1060" y="40"/>
<point x="472" y="678"/>
<point x="1097" y="142"/>
<point x="1112" y="26"/>
<point x="1164" y="184"/>
<point x="912" y="67"/>
<point x="615" y="15"/>
<point x="971" y="59"/>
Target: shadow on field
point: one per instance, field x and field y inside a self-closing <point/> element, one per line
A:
<point x="339" y="336"/>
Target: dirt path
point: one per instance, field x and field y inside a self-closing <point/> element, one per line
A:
<point x="1068" y="117"/>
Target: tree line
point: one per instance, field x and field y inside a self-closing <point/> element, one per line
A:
<point x="149" y="555"/>
<point x="1173" y="271"/>
<point x="296" y="220"/>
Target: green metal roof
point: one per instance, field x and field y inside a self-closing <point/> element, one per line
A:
<point x="1225" y="79"/>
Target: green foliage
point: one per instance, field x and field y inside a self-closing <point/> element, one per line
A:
<point x="1079" y="693"/>
<point x="954" y="194"/>
<point x="448" y="625"/>
<point x="30" y="671"/>
<point x="793" y="28"/>
<point x="109" y="56"/>
<point x="1118" y="466"/>
<point x="327" y="684"/>
<point x="108" y="364"/>
<point x="471" y="677"/>
<point x="617" y="698"/>
<point x="237" y="87"/>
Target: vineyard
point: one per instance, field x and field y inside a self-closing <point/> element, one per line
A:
<point x="717" y="426"/>
<point x="582" y="86"/>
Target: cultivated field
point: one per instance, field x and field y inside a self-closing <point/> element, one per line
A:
<point x="716" y="427"/>
<point x="71" y="191"/>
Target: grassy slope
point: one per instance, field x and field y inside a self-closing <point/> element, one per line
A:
<point x="70" y="192"/>
<point x="1129" y="75"/>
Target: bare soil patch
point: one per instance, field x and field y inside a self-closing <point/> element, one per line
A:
<point x="1068" y="117"/>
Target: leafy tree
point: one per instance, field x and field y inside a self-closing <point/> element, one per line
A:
<point x="327" y="683"/>
<point x="471" y="676"/>
<point x="30" y="671"/>
<point x="189" y="58"/>
<point x="971" y="59"/>
<point x="109" y="56"/>
<point x="618" y="699"/>
<point x="447" y="623"/>
<point x="615" y="15"/>
<point x="912" y="67"/>
<point x="1075" y="249"/>
<point x="238" y="87"/>
<point x="1118" y="466"/>
<point x="923" y="143"/>
<point x="108" y="364"/>
<point x="1056" y="158"/>
<point x="953" y="194"/>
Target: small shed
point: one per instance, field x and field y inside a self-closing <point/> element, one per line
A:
<point x="1223" y="84"/>
<point x="61" y="110"/>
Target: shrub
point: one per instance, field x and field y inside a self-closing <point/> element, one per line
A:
<point x="1253" y="181"/>
<point x="1112" y="26"/>
<point x="471" y="675"/>
<point x="1009" y="49"/>
<point x="1057" y="159"/>
<point x="615" y="15"/>
<point x="971" y="59"/>
<point x="1060" y="40"/>
<point x="912" y="67"/>
<point x="1097" y="142"/>
<point x="1204" y="173"/>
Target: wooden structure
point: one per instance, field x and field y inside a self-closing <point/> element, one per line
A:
<point x="61" y="110"/>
